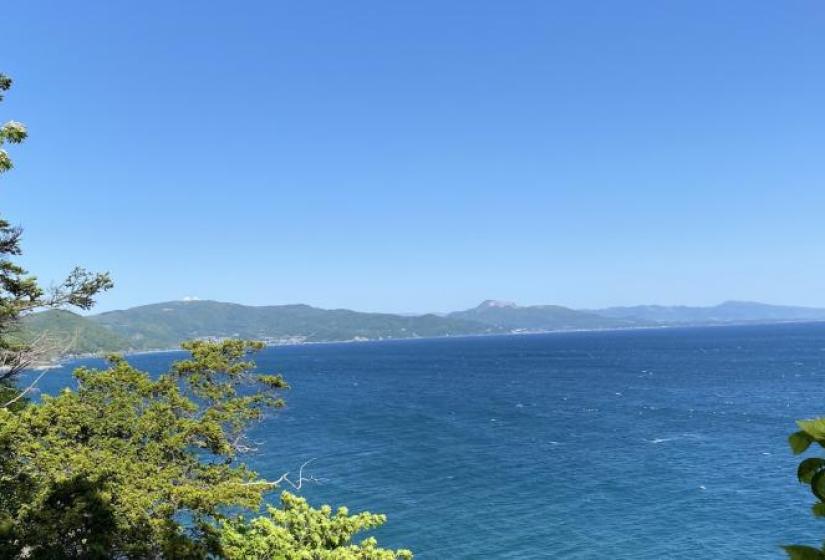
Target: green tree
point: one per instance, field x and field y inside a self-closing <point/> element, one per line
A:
<point x="811" y="471"/>
<point x="128" y="466"/>
<point x="108" y="470"/>
<point x="20" y="293"/>
<point x="295" y="531"/>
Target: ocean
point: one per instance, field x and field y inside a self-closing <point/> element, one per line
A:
<point x="644" y="444"/>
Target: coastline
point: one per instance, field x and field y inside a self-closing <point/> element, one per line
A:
<point x="59" y="361"/>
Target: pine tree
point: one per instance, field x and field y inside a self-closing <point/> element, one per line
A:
<point x="20" y="293"/>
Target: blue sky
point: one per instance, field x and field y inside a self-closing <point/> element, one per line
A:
<point x="422" y="156"/>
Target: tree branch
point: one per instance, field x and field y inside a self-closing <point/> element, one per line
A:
<point x="285" y="478"/>
<point x="13" y="362"/>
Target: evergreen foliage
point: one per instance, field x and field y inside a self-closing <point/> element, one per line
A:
<point x="109" y="469"/>
<point x="295" y="531"/>
<point x="128" y="466"/>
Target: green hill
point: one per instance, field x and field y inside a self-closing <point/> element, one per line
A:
<point x="165" y="325"/>
<point x="72" y="334"/>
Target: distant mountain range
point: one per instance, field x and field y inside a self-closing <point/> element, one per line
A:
<point x="166" y="325"/>
<point x="727" y="312"/>
<point x="510" y="317"/>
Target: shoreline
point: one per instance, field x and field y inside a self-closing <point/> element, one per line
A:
<point x="60" y="361"/>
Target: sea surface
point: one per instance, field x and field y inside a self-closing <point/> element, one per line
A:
<point x="644" y="444"/>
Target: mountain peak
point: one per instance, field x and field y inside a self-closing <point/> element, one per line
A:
<point x="496" y="303"/>
<point x="742" y="303"/>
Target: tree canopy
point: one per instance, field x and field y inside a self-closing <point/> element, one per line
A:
<point x="130" y="466"/>
<point x="295" y="531"/>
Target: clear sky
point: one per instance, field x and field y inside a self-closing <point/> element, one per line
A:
<point x="422" y="155"/>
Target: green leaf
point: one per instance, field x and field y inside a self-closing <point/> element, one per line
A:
<point x="796" y="552"/>
<point x="800" y="441"/>
<point x="808" y="468"/>
<point x="815" y="427"/>
<point x="819" y="509"/>
<point x="818" y="485"/>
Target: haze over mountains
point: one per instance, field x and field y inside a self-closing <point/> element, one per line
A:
<point x="727" y="312"/>
<point x="166" y="325"/>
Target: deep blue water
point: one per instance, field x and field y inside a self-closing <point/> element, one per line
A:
<point x="623" y="445"/>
